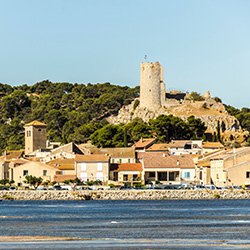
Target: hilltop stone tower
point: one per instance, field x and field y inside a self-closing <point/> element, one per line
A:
<point x="35" y="136"/>
<point x="152" y="86"/>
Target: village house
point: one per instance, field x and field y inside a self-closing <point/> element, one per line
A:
<point x="159" y="147"/>
<point x="117" y="155"/>
<point x="123" y="173"/>
<point x="68" y="151"/>
<point x="209" y="147"/>
<point x="21" y="168"/>
<point x="143" y="144"/>
<point x="167" y="168"/>
<point x="180" y="147"/>
<point x="92" y="167"/>
<point x="65" y="169"/>
<point x="232" y="167"/>
<point x="203" y="166"/>
<point x="225" y="167"/>
<point x="5" y="162"/>
<point x="203" y="173"/>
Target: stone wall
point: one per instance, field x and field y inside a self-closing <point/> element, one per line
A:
<point x="126" y="195"/>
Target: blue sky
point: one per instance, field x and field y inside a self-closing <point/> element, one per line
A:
<point x="203" y="45"/>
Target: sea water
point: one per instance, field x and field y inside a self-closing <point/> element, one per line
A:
<point x="166" y="224"/>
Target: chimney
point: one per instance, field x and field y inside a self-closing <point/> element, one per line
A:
<point x="178" y="163"/>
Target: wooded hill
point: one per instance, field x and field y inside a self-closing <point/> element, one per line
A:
<point x="77" y="112"/>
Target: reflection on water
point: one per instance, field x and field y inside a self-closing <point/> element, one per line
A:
<point x="193" y="224"/>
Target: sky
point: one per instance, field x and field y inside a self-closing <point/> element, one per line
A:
<point x="202" y="45"/>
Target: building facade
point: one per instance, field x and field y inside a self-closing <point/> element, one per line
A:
<point x="35" y="136"/>
<point x="92" y="167"/>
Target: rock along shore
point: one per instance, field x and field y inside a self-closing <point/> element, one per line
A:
<point x="125" y="195"/>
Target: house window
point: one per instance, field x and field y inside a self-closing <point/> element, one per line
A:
<point x="115" y="176"/>
<point x="151" y="174"/>
<point x="28" y="133"/>
<point x="135" y="177"/>
<point x="99" y="166"/>
<point x="247" y="174"/>
<point x="200" y="175"/>
<point x="125" y="177"/>
<point x="129" y="160"/>
<point x="83" y="176"/>
<point x="113" y="160"/>
<point x="120" y="160"/>
<point x="186" y="175"/>
<point x="25" y="172"/>
<point x="173" y="176"/>
<point x="99" y="176"/>
<point x="162" y="176"/>
<point x="45" y="172"/>
<point x="83" y="166"/>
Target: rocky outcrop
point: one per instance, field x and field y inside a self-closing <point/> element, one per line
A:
<point x="208" y="110"/>
<point x="126" y="195"/>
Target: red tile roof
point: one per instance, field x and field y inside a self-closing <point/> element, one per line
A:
<point x="126" y="167"/>
<point x="159" y="147"/>
<point x="36" y="123"/>
<point x="62" y="164"/>
<point x="144" y="142"/>
<point x="92" y="158"/>
<point x="160" y="160"/>
<point x="178" y="143"/>
<point x="212" y="145"/>
<point x="11" y="155"/>
<point x="115" y="152"/>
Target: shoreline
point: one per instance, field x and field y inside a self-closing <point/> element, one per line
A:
<point x="124" y="195"/>
<point x="28" y="238"/>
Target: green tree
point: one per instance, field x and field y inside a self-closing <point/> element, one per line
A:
<point x="218" y="131"/>
<point x="137" y="129"/>
<point x="108" y="136"/>
<point x="169" y="127"/>
<point x="196" y="126"/>
<point x="196" y="96"/>
<point x="33" y="180"/>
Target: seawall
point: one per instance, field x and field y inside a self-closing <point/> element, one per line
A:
<point x="125" y="195"/>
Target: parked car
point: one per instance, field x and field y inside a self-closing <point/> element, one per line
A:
<point x="83" y="188"/>
<point x="211" y="187"/>
<point x="126" y="188"/>
<point x="197" y="187"/>
<point x="66" y="187"/>
<point x="173" y="186"/>
<point x="236" y="187"/>
<point x="246" y="186"/>
<point x="186" y="186"/>
<point x="158" y="187"/>
<point x="12" y="188"/>
<point x="57" y="187"/>
<point x="4" y="188"/>
<point x="41" y="188"/>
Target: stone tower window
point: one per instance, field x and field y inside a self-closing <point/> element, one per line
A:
<point x="28" y="133"/>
